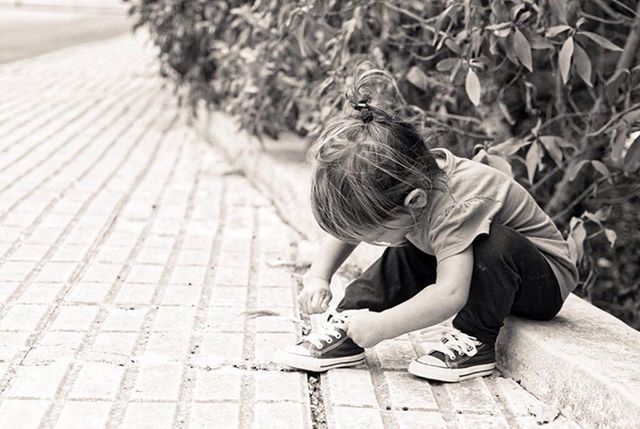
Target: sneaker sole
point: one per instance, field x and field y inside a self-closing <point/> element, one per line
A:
<point x="451" y="375"/>
<point x="312" y="364"/>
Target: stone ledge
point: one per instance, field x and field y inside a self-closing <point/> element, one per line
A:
<point x="583" y="362"/>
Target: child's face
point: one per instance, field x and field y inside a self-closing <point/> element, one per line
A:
<point x="392" y="233"/>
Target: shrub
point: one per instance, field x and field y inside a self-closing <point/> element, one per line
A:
<point x="546" y="90"/>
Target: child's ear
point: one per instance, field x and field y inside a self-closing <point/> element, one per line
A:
<point x="416" y="198"/>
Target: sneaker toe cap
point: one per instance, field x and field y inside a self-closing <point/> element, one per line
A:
<point x="297" y="350"/>
<point x="432" y="361"/>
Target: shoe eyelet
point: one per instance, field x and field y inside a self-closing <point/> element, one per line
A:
<point x="329" y="341"/>
<point x="338" y="336"/>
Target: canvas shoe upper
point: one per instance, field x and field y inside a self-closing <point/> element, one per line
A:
<point x="456" y="357"/>
<point x="324" y="348"/>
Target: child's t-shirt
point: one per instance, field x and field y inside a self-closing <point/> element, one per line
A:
<point x="476" y="195"/>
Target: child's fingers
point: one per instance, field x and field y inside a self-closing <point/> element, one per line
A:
<point x="325" y="302"/>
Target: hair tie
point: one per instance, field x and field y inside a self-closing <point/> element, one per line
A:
<point x="366" y="112"/>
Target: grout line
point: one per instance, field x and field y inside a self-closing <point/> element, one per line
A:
<point x="73" y="370"/>
<point x="189" y="375"/>
<point x="247" y="390"/>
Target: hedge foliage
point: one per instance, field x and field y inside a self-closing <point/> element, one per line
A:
<point x="546" y="90"/>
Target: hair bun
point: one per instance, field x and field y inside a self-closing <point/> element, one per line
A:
<point x="366" y="115"/>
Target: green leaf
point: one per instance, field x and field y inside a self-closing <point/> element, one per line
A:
<point x="418" y="78"/>
<point x="600" y="40"/>
<point x="508" y="147"/>
<point x="564" y="59"/>
<point x="619" y="141"/>
<point x="472" y="86"/>
<point x="577" y="235"/>
<point x="602" y="169"/>
<point x="611" y="236"/>
<point x="555" y="30"/>
<point x="552" y="147"/>
<point x="632" y="158"/>
<point x="447" y="64"/>
<point x="583" y="64"/>
<point x="533" y="159"/>
<point x="574" y="168"/>
<point x="523" y="49"/>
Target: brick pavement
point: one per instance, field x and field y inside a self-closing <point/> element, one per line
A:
<point x="130" y="252"/>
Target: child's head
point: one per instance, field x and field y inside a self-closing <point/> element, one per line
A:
<point x="372" y="170"/>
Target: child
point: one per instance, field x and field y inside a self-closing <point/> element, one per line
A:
<point x="462" y="238"/>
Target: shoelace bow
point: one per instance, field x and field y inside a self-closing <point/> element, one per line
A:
<point x="329" y="331"/>
<point x="452" y="339"/>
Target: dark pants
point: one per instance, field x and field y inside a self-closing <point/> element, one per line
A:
<point x="509" y="276"/>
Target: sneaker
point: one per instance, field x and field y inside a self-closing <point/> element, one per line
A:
<point x="324" y="349"/>
<point x="457" y="357"/>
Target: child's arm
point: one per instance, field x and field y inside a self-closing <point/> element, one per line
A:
<point x="434" y="303"/>
<point x="329" y="257"/>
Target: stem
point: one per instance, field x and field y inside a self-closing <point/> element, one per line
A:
<point x="631" y="46"/>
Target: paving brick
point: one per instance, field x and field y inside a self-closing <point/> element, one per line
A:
<point x="15" y="271"/>
<point x="475" y="421"/>
<point x="228" y="296"/>
<point x="133" y="293"/>
<point x="192" y="275"/>
<point x="145" y="274"/>
<point x="281" y="297"/>
<point x="471" y="396"/>
<point x="69" y="253"/>
<point x="158" y="382"/>
<point x="23" y="414"/>
<point x="174" y="319"/>
<point x="83" y="415"/>
<point x="102" y="272"/>
<point x="171" y="346"/>
<point x="275" y="386"/>
<point x="395" y="354"/>
<point x="54" y="346"/>
<point x="75" y="317"/>
<point x="406" y="390"/>
<point x="41" y="293"/>
<point x="225" y="319"/>
<point x="37" y="381"/>
<point x="97" y="380"/>
<point x="216" y="347"/>
<point x="419" y="420"/>
<point x="7" y="289"/>
<point x="357" y="418"/>
<point x="33" y="253"/>
<point x="239" y="260"/>
<point x="229" y="276"/>
<point x="266" y="344"/>
<point x="181" y="295"/>
<point x="112" y="346"/>
<point x="113" y="254"/>
<point x="193" y="257"/>
<point x="88" y="292"/>
<point x="148" y="415"/>
<point x="23" y="317"/>
<point x="352" y="387"/>
<point x="153" y="255"/>
<point x="55" y="272"/>
<point x="12" y="343"/>
<point x="280" y="415"/>
<point x="124" y="319"/>
<point x="217" y="385"/>
<point x="206" y="416"/>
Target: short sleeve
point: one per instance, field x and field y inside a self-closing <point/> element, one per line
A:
<point x="455" y="228"/>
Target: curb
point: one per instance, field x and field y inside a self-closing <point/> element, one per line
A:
<point x="584" y="361"/>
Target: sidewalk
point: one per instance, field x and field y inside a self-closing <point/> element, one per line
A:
<point x="130" y="252"/>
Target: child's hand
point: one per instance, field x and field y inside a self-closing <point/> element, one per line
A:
<point x="315" y="296"/>
<point x="365" y="328"/>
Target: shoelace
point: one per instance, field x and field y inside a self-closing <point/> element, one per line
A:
<point x="329" y="331"/>
<point x="452" y="339"/>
